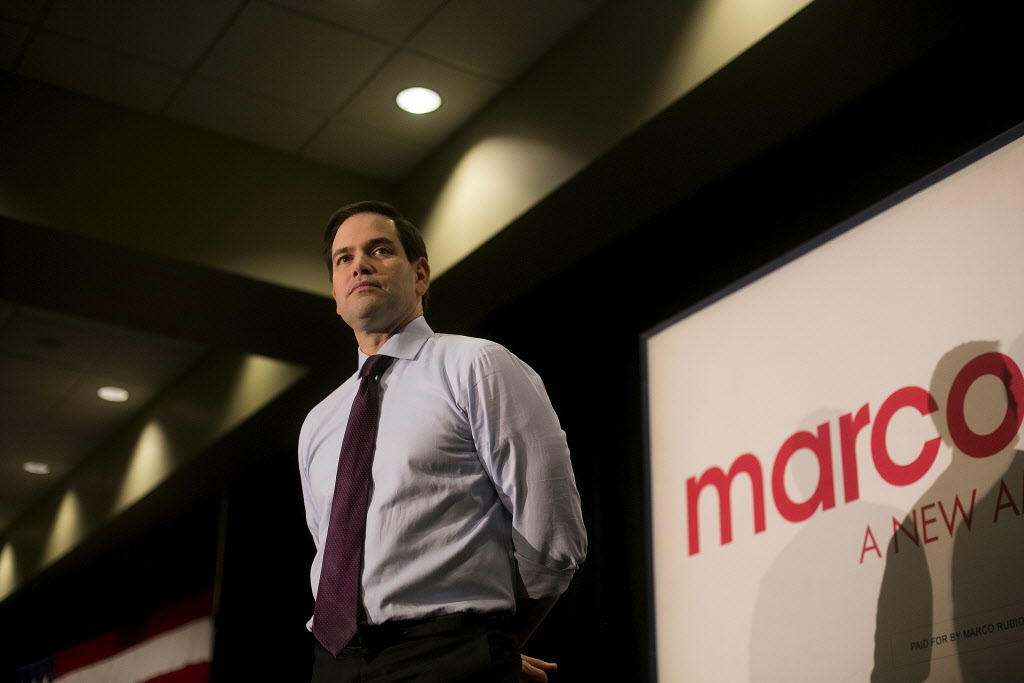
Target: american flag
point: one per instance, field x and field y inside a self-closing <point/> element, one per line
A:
<point x="172" y="645"/>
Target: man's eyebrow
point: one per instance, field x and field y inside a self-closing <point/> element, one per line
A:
<point x="369" y="244"/>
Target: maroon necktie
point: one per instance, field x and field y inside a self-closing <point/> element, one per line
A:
<point x="337" y="597"/>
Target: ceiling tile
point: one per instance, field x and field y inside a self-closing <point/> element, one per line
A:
<point x="462" y="94"/>
<point x="256" y="118"/>
<point x="18" y="489"/>
<point x="34" y="383"/>
<point x="51" y="365"/>
<point x="21" y="11"/>
<point x="365" y="150"/>
<point x="88" y="418"/>
<point x="172" y="32"/>
<point x="19" y="442"/>
<point x="393" y="21"/>
<point x="146" y="358"/>
<point x="7" y="309"/>
<point x="24" y="400"/>
<point x="288" y="57"/>
<point x="31" y="335"/>
<point x="101" y="73"/>
<point x="497" y="38"/>
<point x="12" y="39"/>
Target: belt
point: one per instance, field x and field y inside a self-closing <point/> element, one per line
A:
<point x="380" y="636"/>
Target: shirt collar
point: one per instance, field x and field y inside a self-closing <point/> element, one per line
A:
<point x="405" y="343"/>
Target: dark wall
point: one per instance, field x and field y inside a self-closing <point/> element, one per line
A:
<point x="264" y="594"/>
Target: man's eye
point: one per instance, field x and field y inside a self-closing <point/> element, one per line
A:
<point x="344" y="259"/>
<point x="382" y="250"/>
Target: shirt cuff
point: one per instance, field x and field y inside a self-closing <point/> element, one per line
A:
<point x="540" y="581"/>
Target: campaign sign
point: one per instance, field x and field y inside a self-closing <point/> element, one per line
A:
<point x="835" y="466"/>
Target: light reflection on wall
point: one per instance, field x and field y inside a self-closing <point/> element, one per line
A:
<point x="8" y="570"/>
<point x="151" y="461"/>
<point x="258" y="377"/>
<point x="68" y="528"/>
<point x="715" y="33"/>
<point x="510" y="159"/>
<point x="496" y="180"/>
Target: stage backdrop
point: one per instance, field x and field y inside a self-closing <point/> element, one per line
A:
<point x="836" y="482"/>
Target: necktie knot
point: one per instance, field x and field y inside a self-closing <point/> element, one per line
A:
<point x="375" y="366"/>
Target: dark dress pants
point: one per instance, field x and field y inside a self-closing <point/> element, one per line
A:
<point x="482" y="653"/>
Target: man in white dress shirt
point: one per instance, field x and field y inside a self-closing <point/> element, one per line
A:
<point x="473" y="525"/>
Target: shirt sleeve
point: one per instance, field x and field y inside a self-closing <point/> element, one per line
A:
<point x="523" y="450"/>
<point x="312" y="515"/>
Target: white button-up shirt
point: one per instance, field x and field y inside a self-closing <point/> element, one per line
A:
<point x="473" y="501"/>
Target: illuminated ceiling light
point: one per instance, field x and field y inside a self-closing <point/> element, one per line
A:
<point x="33" y="467"/>
<point x="418" y="100"/>
<point x="113" y="394"/>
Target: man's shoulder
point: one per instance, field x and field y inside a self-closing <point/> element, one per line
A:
<point x="457" y="349"/>
<point x="461" y="343"/>
<point x="474" y="358"/>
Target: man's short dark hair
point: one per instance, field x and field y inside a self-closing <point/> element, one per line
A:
<point x="408" y="234"/>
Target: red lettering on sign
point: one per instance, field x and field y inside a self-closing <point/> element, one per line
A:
<point x="925" y="521"/>
<point x="747" y="463"/>
<point x="898" y="526"/>
<point x="957" y="505"/>
<point x="984" y="445"/>
<point x="1010" y="502"/>
<point x="850" y="425"/>
<point x="866" y="547"/>
<point x="824" y="493"/>
<point x="902" y="475"/>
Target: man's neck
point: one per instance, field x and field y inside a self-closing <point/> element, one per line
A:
<point x="371" y="342"/>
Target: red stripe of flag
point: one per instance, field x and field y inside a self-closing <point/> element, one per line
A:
<point x="194" y="673"/>
<point x="111" y="643"/>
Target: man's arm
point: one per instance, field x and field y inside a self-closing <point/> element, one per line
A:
<point x="525" y="453"/>
<point x="308" y="501"/>
<point x="529" y="613"/>
<point x="523" y="449"/>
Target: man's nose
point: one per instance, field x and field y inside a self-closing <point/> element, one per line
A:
<point x="361" y="264"/>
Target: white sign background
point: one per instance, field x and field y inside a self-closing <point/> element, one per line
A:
<point x="873" y="309"/>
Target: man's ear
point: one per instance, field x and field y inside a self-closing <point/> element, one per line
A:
<point x="334" y="295"/>
<point x="422" y="269"/>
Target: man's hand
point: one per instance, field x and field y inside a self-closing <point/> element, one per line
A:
<point x="535" y="669"/>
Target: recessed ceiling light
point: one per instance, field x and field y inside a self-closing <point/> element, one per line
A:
<point x="113" y="394"/>
<point x="418" y="100"/>
<point x="33" y="467"/>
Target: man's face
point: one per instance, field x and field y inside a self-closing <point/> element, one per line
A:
<point x="375" y="287"/>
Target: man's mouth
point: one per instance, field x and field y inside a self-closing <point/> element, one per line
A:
<point x="362" y="285"/>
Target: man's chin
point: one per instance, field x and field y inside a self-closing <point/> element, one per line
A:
<point x="372" y="317"/>
<point x="361" y="316"/>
